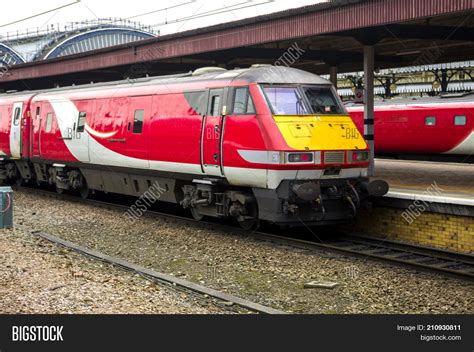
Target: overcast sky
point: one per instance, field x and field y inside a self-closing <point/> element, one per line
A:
<point x="91" y="9"/>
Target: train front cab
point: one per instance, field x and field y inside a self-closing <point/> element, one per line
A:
<point x="317" y="158"/>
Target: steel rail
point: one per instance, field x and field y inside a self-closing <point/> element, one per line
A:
<point x="159" y="277"/>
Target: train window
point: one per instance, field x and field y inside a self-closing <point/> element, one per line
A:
<point x="81" y="121"/>
<point x="37" y="112"/>
<point x="322" y="100"/>
<point x="16" y="118"/>
<point x="460" y="120"/>
<point x="215" y="102"/>
<point x="250" y="106"/>
<point x="243" y="103"/>
<point x="430" y="120"/>
<point x="138" y="121"/>
<point x="285" y="101"/>
<point x="240" y="100"/>
<point x="49" y="122"/>
<point x="197" y="101"/>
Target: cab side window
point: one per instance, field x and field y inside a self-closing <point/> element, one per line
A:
<point x="215" y="102"/>
<point x="197" y="101"/>
<point x="243" y="103"/>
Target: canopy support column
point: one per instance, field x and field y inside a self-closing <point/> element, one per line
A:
<point x="369" y="104"/>
<point x="333" y="75"/>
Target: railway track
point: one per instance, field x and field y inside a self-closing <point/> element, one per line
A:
<point x="418" y="257"/>
<point x="160" y="277"/>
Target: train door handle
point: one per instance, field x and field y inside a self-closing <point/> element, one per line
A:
<point x="216" y="156"/>
<point x="216" y="128"/>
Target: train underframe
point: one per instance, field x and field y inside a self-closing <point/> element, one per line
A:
<point x="293" y="203"/>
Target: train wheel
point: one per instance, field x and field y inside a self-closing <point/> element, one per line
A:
<point x="59" y="190"/>
<point x="250" y="224"/>
<point x="196" y="215"/>
<point x="84" y="191"/>
<point x="16" y="184"/>
<point x="251" y="221"/>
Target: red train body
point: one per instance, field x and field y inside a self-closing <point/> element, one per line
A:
<point x="263" y="143"/>
<point x="422" y="126"/>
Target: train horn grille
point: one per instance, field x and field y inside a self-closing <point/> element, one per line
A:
<point x="334" y="157"/>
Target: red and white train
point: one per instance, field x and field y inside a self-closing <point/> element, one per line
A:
<point x="263" y="143"/>
<point x="422" y="126"/>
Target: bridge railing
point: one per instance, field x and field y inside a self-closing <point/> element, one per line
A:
<point x="51" y="29"/>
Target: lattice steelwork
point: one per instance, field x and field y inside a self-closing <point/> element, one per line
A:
<point x="74" y="38"/>
<point x="8" y="56"/>
<point x="93" y="40"/>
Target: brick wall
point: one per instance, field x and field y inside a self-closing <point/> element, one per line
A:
<point x="450" y="232"/>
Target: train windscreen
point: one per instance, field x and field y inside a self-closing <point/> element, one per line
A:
<point x="302" y="100"/>
<point x="286" y="100"/>
<point x="322" y="100"/>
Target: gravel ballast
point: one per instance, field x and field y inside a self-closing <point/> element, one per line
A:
<point x="38" y="277"/>
<point x="258" y="271"/>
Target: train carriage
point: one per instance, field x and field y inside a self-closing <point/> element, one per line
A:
<point x="423" y="127"/>
<point x="263" y="143"/>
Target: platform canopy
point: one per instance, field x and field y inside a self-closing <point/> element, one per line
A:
<point x="314" y="38"/>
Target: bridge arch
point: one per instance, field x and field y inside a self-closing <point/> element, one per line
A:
<point x="95" y="39"/>
<point x="9" y="56"/>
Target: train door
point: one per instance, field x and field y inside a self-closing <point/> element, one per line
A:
<point x="211" y="134"/>
<point x="35" y="130"/>
<point x="4" y="130"/>
<point x="15" y="130"/>
<point x="138" y="130"/>
<point x="74" y="124"/>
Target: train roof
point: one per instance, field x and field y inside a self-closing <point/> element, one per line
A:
<point x="279" y="75"/>
<point x="254" y="74"/>
<point x="467" y="97"/>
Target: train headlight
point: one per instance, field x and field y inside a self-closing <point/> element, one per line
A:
<point x="360" y="156"/>
<point x="300" y="157"/>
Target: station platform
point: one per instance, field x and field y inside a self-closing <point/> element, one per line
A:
<point x="446" y="188"/>
<point x="448" y="180"/>
<point x="429" y="203"/>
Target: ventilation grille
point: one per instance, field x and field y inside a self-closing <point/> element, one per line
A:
<point x="334" y="157"/>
